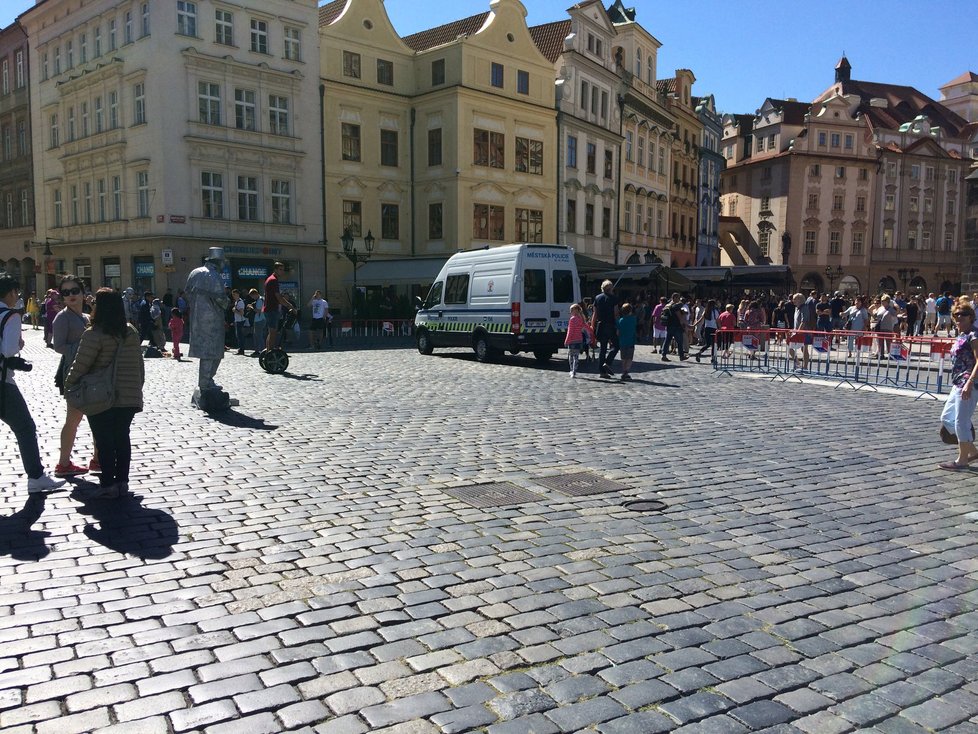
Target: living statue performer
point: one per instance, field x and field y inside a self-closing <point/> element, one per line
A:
<point x="208" y="302"/>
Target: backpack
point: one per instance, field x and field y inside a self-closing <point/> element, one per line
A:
<point x="943" y="306"/>
<point x="668" y="316"/>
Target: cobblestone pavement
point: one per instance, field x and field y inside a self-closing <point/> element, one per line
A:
<point x="303" y="563"/>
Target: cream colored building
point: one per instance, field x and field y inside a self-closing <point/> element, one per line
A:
<point x="162" y="129"/>
<point x="648" y="143"/>
<point x="456" y="129"/>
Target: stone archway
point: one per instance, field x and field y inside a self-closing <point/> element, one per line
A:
<point x="887" y="285"/>
<point x="811" y="282"/>
<point x="849" y="285"/>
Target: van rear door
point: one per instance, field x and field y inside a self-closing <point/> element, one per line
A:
<point x="563" y="289"/>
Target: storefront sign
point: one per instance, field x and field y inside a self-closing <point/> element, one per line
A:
<point x="177" y="219"/>
<point x="245" y="250"/>
<point x="166" y="257"/>
<point x="113" y="271"/>
<point x="144" y="270"/>
<point x="252" y="272"/>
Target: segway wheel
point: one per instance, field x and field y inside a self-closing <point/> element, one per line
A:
<point x="261" y="359"/>
<point x="276" y="362"/>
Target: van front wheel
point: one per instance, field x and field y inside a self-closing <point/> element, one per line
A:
<point x="424" y="342"/>
<point x="483" y="352"/>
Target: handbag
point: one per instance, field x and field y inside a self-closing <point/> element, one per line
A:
<point x="95" y="392"/>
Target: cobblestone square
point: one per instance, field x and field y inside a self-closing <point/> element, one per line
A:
<point x="304" y="563"/>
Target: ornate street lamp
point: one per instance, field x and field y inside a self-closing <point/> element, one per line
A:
<point x="906" y="274"/>
<point x="356" y="257"/>
<point x="833" y="274"/>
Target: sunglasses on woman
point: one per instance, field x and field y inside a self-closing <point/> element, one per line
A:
<point x="71" y="292"/>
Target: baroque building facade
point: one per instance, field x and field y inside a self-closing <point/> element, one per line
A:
<point x="711" y="167"/>
<point x="17" y="256"/>
<point x="163" y="129"/>
<point x="860" y="190"/>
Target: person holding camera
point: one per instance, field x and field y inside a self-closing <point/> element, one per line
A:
<point x="13" y="408"/>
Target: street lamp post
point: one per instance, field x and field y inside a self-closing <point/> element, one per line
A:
<point x="356" y="257"/>
<point x="906" y="274"/>
<point x="833" y="274"/>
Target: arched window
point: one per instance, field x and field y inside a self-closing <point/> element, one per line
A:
<point x="849" y="285"/>
<point x="638" y="63"/>
<point x="811" y="282"/>
<point x="887" y="285"/>
<point x="917" y="286"/>
<point x="650" y="63"/>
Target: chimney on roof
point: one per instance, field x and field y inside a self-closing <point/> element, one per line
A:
<point x="843" y="70"/>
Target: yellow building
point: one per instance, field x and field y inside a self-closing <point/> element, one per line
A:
<point x="444" y="140"/>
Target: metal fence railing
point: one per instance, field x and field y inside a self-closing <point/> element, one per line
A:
<point x="849" y="358"/>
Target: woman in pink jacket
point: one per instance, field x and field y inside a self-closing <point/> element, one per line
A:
<point x="577" y="331"/>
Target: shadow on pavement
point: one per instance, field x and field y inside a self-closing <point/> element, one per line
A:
<point x="125" y="526"/>
<point x="240" y="420"/>
<point x="304" y="378"/>
<point x="17" y="540"/>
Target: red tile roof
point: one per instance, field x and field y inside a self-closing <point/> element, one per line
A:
<point x="423" y="40"/>
<point x="903" y="105"/>
<point x="330" y="11"/>
<point x="666" y="86"/>
<point x="549" y="38"/>
<point x="968" y="76"/>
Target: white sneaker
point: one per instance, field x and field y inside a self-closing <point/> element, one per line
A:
<point x="43" y="484"/>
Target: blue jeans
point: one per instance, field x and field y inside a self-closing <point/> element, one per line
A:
<point x="958" y="413"/>
<point x="258" y="333"/>
<point x="18" y="417"/>
<point x="239" y="327"/>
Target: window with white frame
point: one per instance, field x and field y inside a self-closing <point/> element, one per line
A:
<point x="138" y="103"/>
<point x="84" y="119"/>
<point x="113" y="110"/>
<point x="142" y="193"/>
<point x="144" y="10"/>
<point x="212" y="195"/>
<point x="662" y="160"/>
<point x="660" y="222"/>
<point x="351" y="64"/>
<point x="912" y="240"/>
<point x="57" y="60"/>
<point x="529" y="225"/>
<point x="98" y="41"/>
<point x="849" y="141"/>
<point x="822" y="137"/>
<point x="248" y="198"/>
<point x="813" y="200"/>
<point x="83" y="47"/>
<point x="20" y="78"/>
<point x="838" y="202"/>
<point x="640" y="160"/>
<point x="496" y="75"/>
<point x="914" y="204"/>
<point x="71" y="124"/>
<point x="21" y="137"/>
<point x="915" y="171"/>
<point x="949" y="208"/>
<point x="840" y="172"/>
<point x="100" y="190"/>
<point x="88" y="202"/>
<point x="99" y="115"/>
<point x="925" y="241"/>
<point x="889" y="202"/>
<point x="5" y="76"/>
<point x="385" y="72"/>
<point x="278" y="114"/>
<point x="223" y="27"/>
<point x="112" y="43"/>
<point x="245" y="109"/>
<point x="70" y="53"/>
<point x="55" y="139"/>
<point x="281" y="202"/>
<point x="25" y="213"/>
<point x="627" y="224"/>
<point x="117" y="198"/>
<point x="928" y="205"/>
<point x="861" y="204"/>
<point x="857" y="243"/>
<point x="74" y="204"/>
<point x="929" y="173"/>
<point x="948" y="242"/>
<point x="835" y="243"/>
<point x="259" y="36"/>
<point x="887" y="238"/>
<point x="127" y="28"/>
<point x="44" y="66"/>
<point x="209" y="103"/>
<point x="390" y="221"/>
<point x="58" y="218"/>
<point x="353" y="216"/>
<point x="764" y="242"/>
<point x="835" y="140"/>
<point x="186" y="18"/>
<point x="436" y="220"/>
<point x="293" y="44"/>
<point x="638" y="63"/>
<point x="811" y="241"/>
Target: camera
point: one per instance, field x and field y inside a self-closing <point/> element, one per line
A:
<point x="18" y="364"/>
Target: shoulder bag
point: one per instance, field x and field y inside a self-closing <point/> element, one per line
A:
<point x="95" y="392"/>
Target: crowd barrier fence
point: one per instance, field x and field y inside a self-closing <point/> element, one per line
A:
<point x="373" y="327"/>
<point x="855" y="359"/>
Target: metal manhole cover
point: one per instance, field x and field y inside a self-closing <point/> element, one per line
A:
<point x="498" y="494"/>
<point x="581" y="483"/>
<point x="645" y="505"/>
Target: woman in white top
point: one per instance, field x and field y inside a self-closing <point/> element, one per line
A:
<point x="320" y="313"/>
<point x="856" y="318"/>
<point x="886" y="322"/>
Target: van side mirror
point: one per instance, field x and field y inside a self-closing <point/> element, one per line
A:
<point x="419" y="303"/>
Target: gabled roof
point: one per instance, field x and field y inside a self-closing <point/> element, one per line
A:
<point x="968" y="76"/>
<point x="330" y="11"/>
<point x="549" y="38"/>
<point x="792" y="111"/>
<point x="424" y="40"/>
<point x="666" y="86"/>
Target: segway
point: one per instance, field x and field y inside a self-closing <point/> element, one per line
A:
<point x="275" y="360"/>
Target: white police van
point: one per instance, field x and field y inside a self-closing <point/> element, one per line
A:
<point x="514" y="298"/>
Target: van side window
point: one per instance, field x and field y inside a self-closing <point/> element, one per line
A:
<point x="534" y="286"/>
<point x="434" y="295"/>
<point x="563" y="286"/>
<point x="457" y="288"/>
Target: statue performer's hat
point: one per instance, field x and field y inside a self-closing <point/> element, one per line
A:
<point x="215" y="254"/>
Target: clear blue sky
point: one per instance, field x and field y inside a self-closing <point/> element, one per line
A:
<point x="744" y="52"/>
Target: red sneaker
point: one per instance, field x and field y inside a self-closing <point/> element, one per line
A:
<point x="69" y="470"/>
<point x="94" y="466"/>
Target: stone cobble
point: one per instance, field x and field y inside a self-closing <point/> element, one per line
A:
<point x="298" y="563"/>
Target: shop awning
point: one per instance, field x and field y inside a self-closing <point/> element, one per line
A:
<point x="587" y="265"/>
<point x="662" y="274"/>
<point x="403" y="271"/>
<point x="740" y="275"/>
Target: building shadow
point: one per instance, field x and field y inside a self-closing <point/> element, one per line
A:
<point x="240" y="420"/>
<point x="125" y="526"/>
<point x="17" y="539"/>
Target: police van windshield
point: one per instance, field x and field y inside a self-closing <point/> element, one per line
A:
<point x="434" y="296"/>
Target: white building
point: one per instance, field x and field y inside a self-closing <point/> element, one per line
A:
<point x="172" y="127"/>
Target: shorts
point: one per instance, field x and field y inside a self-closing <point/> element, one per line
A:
<point x="626" y="353"/>
<point x="318" y="325"/>
<point x="272" y="319"/>
<point x="943" y="319"/>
